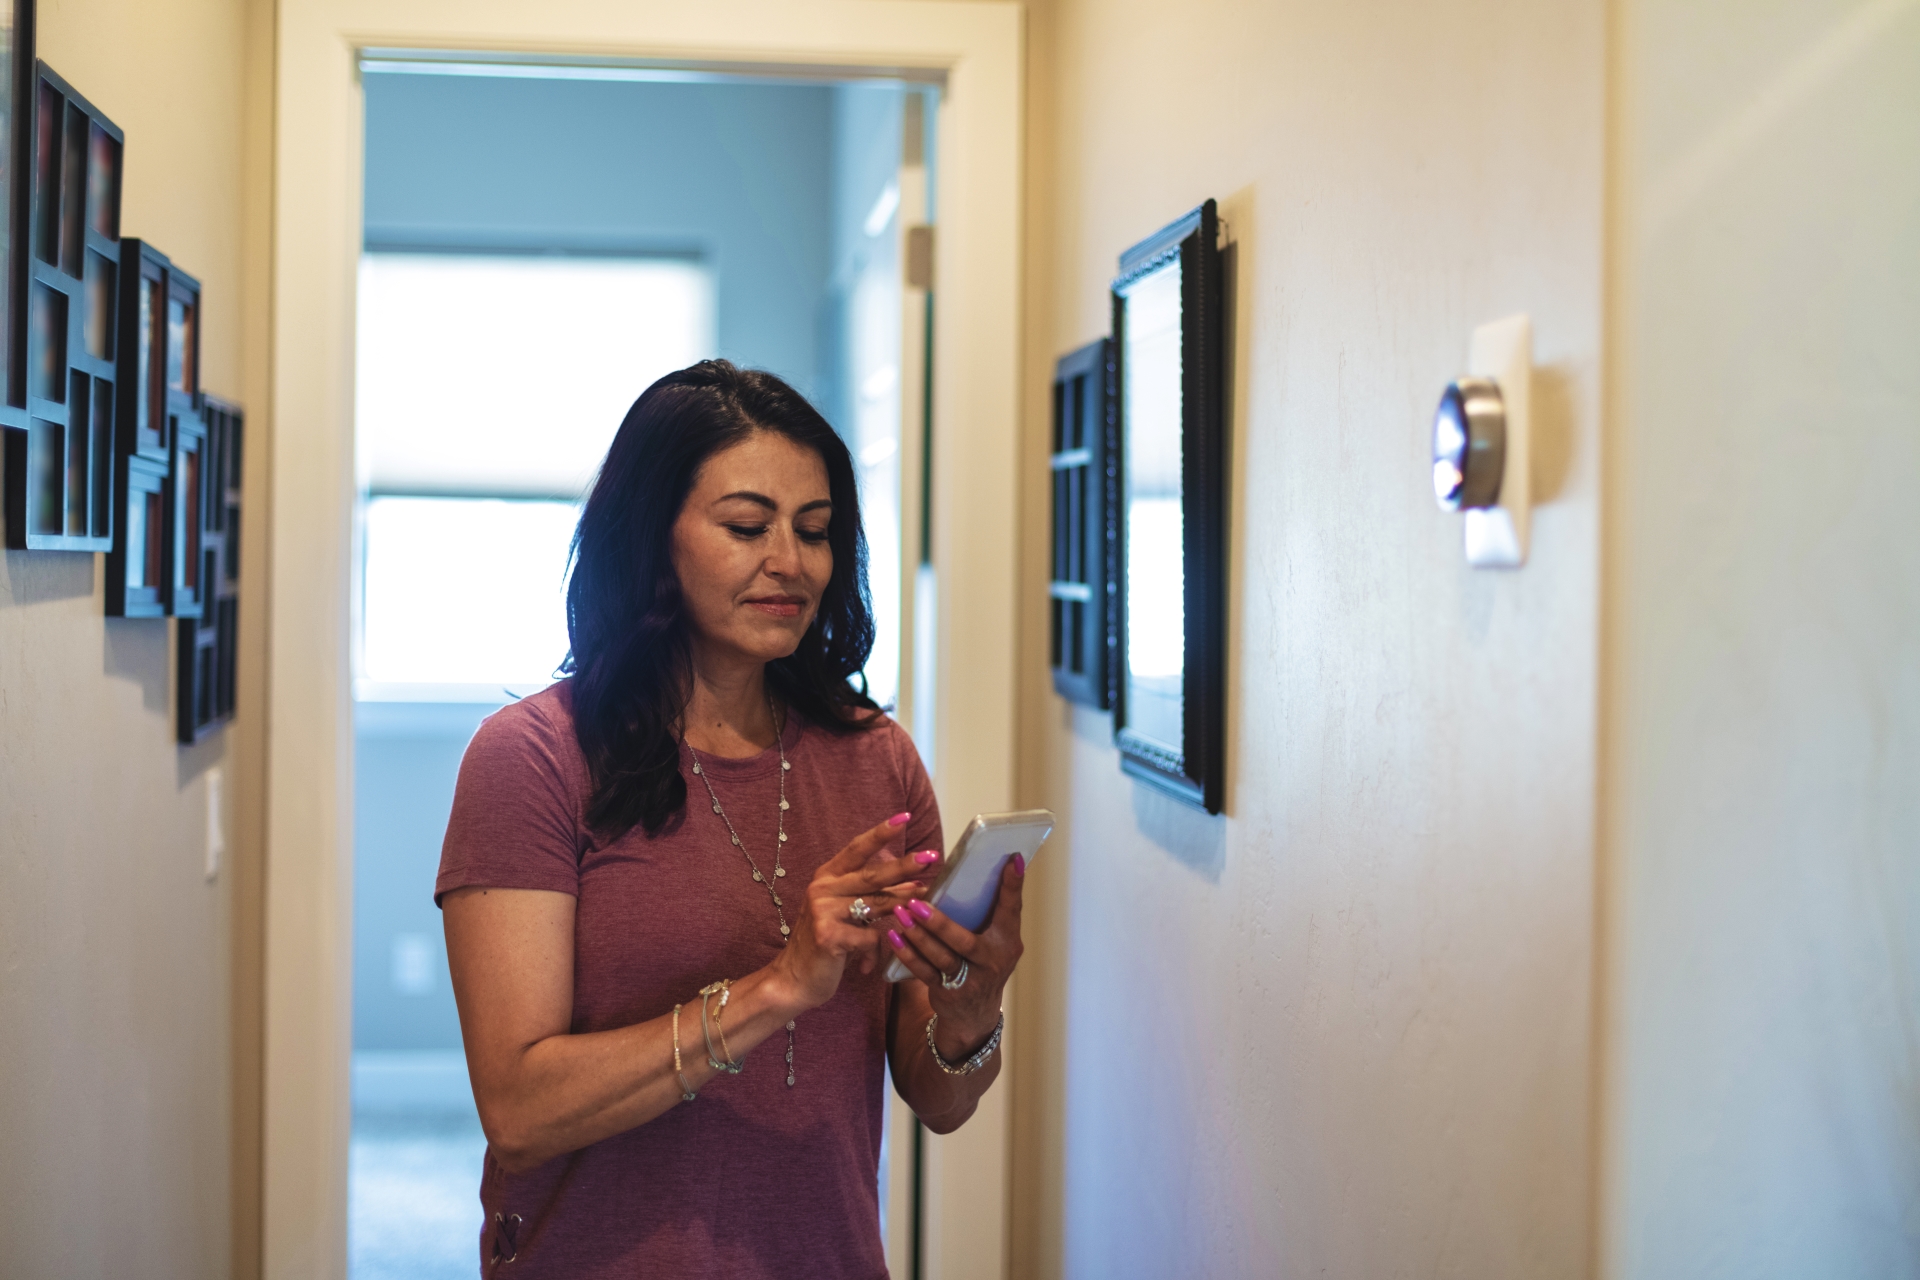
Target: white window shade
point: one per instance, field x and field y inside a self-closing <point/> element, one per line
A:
<point x="509" y="375"/>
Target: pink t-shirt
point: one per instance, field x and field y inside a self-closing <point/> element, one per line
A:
<point x="752" y="1178"/>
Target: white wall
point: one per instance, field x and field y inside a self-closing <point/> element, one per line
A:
<point x="127" y="993"/>
<point x="1762" y="675"/>
<point x="1344" y="1029"/>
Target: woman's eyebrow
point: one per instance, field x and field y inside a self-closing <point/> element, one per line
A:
<point x="761" y="499"/>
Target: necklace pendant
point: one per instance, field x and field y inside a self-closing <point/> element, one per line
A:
<point x="785" y="805"/>
<point x="779" y="871"/>
<point x="783" y="837"/>
<point x="776" y="899"/>
<point x="785" y="930"/>
<point x="696" y="766"/>
<point x="756" y="876"/>
<point x="716" y="808"/>
<point x="785" y="765"/>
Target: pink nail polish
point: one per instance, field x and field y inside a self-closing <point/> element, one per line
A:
<point x="1019" y="864"/>
<point x="906" y="921"/>
<point x="899" y="943"/>
<point x="920" y="909"/>
<point x="899" y="819"/>
<point x="926" y="859"/>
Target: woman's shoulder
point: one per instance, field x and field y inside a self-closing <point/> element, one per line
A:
<point x="883" y="740"/>
<point x="538" y="725"/>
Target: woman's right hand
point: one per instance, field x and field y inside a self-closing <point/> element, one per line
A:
<point x="824" y="934"/>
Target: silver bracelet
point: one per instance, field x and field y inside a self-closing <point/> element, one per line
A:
<point x="723" y="989"/>
<point x="980" y="1055"/>
<point x="686" y="1090"/>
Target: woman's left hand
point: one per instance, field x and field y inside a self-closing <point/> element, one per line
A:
<point x="934" y="948"/>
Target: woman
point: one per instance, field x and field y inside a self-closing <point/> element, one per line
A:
<point x="671" y="886"/>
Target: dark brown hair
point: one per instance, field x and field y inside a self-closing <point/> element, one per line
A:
<point x="630" y="647"/>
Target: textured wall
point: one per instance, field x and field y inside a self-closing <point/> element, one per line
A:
<point x="1346" y="1028"/>
<point x="119" y="981"/>
<point x="1762" y="675"/>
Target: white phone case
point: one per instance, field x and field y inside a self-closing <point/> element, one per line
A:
<point x="966" y="889"/>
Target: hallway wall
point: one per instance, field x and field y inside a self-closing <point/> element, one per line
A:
<point x="128" y="981"/>
<point x="1344" y="1029"/>
<point x="1762" y="673"/>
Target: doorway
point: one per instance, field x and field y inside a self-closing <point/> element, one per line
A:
<point x="973" y="52"/>
<point x="539" y="244"/>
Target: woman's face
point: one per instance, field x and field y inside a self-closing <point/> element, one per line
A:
<point x="750" y="547"/>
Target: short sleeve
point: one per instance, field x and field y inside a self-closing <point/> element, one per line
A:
<point x="923" y="829"/>
<point x="516" y="807"/>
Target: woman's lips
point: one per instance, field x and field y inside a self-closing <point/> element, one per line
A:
<point x="779" y="606"/>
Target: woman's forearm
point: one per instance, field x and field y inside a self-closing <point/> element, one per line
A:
<point x="565" y="1092"/>
<point x="942" y="1101"/>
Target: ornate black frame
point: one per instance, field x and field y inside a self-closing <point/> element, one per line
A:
<point x="1197" y="774"/>
<point x="1081" y="604"/>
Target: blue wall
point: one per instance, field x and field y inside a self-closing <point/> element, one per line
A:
<point x="738" y="173"/>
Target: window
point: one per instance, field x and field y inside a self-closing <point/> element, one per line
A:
<point x="488" y="389"/>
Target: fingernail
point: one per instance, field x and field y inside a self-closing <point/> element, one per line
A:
<point x="926" y="859"/>
<point x="899" y="943"/>
<point x="906" y="921"/>
<point x="920" y="909"/>
<point x="899" y="819"/>
<point x="1019" y="864"/>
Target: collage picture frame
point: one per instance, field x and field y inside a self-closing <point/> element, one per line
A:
<point x="110" y="444"/>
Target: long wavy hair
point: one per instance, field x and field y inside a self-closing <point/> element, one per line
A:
<point x="630" y="657"/>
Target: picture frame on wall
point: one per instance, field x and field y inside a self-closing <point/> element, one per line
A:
<point x="207" y="648"/>
<point x="16" y="82"/>
<point x="1081" y="602"/>
<point x="60" y="462"/>
<point x="140" y="580"/>
<point x="1171" y="650"/>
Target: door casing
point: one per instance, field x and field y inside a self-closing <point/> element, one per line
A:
<point x="977" y="48"/>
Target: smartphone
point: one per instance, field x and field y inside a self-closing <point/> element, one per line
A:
<point x="966" y="888"/>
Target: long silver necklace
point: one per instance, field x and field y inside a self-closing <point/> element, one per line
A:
<point x="779" y="872"/>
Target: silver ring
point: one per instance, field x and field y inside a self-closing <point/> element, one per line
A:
<point x="860" y="913"/>
<point x="958" y="980"/>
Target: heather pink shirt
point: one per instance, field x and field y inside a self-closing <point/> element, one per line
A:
<point x="752" y="1178"/>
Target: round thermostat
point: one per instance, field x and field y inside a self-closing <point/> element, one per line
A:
<point x="1469" y="444"/>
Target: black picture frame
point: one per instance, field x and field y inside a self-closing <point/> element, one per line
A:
<point x="17" y="20"/>
<point x="207" y="647"/>
<point x="1168" y="355"/>
<point x="1081" y="606"/>
<point x="60" y="464"/>
<point x="142" y="575"/>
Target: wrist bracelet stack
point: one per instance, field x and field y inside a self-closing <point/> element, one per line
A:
<point x="722" y="989"/>
<point x="980" y="1055"/>
<point x="686" y="1090"/>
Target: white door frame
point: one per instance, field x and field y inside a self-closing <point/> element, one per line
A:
<point x="316" y="220"/>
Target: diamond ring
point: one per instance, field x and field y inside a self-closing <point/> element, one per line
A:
<point x="958" y="980"/>
<point x="860" y="913"/>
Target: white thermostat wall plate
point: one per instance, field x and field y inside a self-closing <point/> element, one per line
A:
<point x="1496" y="536"/>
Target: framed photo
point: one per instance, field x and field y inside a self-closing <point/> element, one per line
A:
<point x="1081" y="604"/>
<point x="1170" y="686"/>
<point x="60" y="462"/>
<point x="208" y="644"/>
<point x="143" y="439"/>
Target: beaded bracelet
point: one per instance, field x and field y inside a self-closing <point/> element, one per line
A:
<point x="980" y="1055"/>
<point x="686" y="1090"/>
